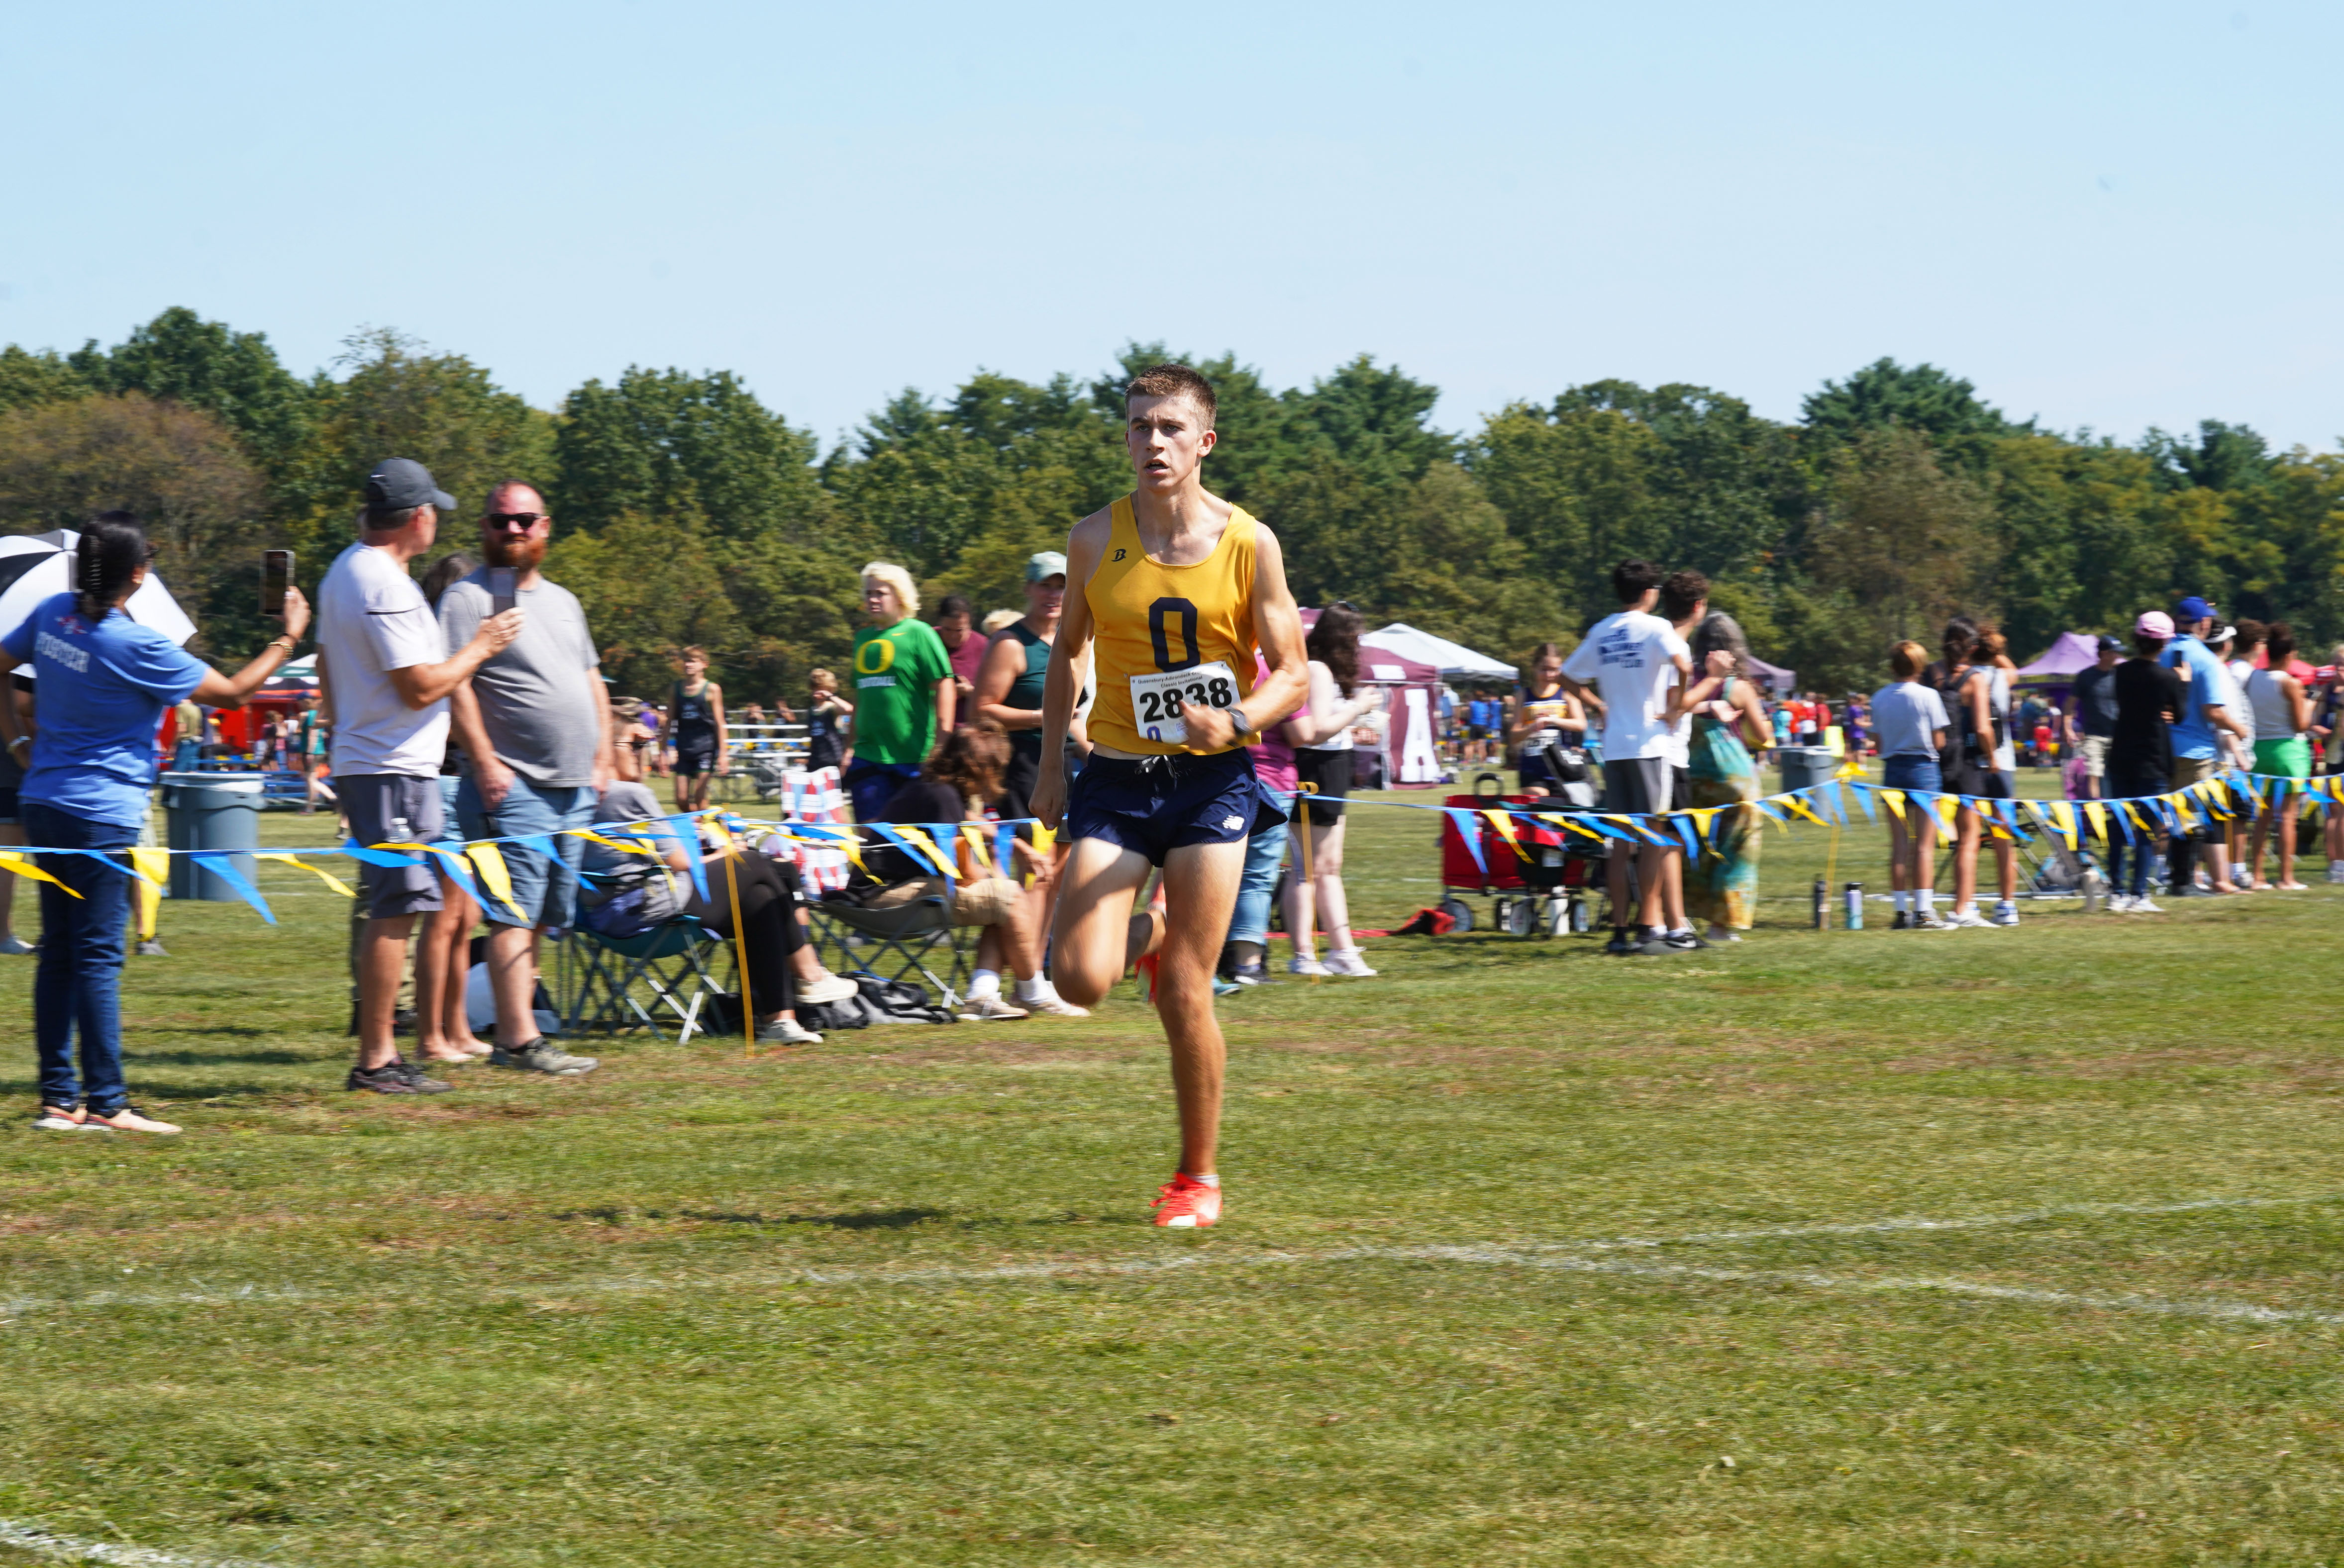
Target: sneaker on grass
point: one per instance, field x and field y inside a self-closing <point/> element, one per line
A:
<point x="990" y="1006"/>
<point x="1184" y="1204"/>
<point x="16" y="947"/>
<point x="393" y="1077"/>
<point x="786" y="1031"/>
<point x="1306" y="967"/>
<point x="125" y="1119"/>
<point x="1969" y="919"/>
<point x="60" y="1119"/>
<point x="2142" y="905"/>
<point x="541" y="1055"/>
<point x="829" y="988"/>
<point x="1929" y="920"/>
<point x="1349" y="961"/>
<point x="2005" y="913"/>
<point x="2119" y="903"/>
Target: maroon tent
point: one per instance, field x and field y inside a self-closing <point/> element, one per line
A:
<point x="1413" y="698"/>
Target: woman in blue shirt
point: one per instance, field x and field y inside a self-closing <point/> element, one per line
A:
<point x="102" y="682"/>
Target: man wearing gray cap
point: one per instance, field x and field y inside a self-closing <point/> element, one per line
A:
<point x="1009" y="681"/>
<point x="386" y="674"/>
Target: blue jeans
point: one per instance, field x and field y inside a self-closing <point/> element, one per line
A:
<point x="543" y="891"/>
<point x="79" y="987"/>
<point x="1264" y="851"/>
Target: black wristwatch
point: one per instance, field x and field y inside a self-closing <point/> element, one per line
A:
<point x="1238" y="717"/>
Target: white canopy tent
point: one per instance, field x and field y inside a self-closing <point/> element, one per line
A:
<point x="1454" y="660"/>
<point x="36" y="566"/>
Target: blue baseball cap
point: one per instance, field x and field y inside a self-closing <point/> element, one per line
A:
<point x="2193" y="608"/>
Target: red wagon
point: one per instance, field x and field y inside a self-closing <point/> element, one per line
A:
<point x="1541" y="891"/>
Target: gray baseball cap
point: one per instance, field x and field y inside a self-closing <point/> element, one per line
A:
<point x="397" y="483"/>
<point x="1045" y="564"/>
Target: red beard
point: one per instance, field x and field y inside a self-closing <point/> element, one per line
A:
<point x="524" y="552"/>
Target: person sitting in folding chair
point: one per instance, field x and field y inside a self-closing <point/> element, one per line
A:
<point x="962" y="775"/>
<point x="630" y="895"/>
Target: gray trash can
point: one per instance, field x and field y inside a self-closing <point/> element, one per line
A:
<point x="1806" y="765"/>
<point x="216" y="812"/>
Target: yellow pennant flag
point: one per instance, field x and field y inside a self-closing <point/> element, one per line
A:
<point x="2099" y="816"/>
<point x="974" y="833"/>
<point x="1894" y="800"/>
<point x="320" y="872"/>
<point x="1503" y="822"/>
<point x="488" y="861"/>
<point x="1948" y="812"/>
<point x="1799" y="805"/>
<point x="154" y="867"/>
<point x="920" y="840"/>
<point x="588" y="833"/>
<point x="22" y="865"/>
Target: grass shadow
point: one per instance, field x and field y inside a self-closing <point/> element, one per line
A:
<point x="882" y="1220"/>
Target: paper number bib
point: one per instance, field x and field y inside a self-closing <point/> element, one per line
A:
<point x="1156" y="699"/>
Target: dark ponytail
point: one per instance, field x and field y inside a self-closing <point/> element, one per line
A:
<point x="113" y="548"/>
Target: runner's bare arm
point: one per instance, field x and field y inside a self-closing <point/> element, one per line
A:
<point x="1278" y="625"/>
<point x="1063" y="684"/>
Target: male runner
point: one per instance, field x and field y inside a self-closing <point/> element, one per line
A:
<point x="1176" y="587"/>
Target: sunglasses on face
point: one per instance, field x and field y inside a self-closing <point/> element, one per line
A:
<point x="504" y="522"/>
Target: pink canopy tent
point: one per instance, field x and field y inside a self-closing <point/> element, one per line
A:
<point x="2074" y="651"/>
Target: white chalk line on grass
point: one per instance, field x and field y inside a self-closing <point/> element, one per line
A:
<point x="27" y="1536"/>
<point x="1553" y="1255"/>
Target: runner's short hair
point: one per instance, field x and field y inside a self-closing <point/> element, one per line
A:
<point x="1174" y="381"/>
<point x="1680" y="592"/>
<point x="695" y="651"/>
<point x="1630" y="579"/>
<point x="1908" y="659"/>
<point x="895" y="578"/>
<point x="954" y="604"/>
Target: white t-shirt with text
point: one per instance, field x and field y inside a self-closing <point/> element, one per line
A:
<point x="1629" y="658"/>
<point x="372" y="619"/>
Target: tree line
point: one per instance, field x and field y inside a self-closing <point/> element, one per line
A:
<point x="688" y="512"/>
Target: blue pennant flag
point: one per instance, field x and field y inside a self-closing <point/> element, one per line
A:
<point x="687" y="831"/>
<point x="451" y="866"/>
<point x="1469" y="828"/>
<point x="1685" y="832"/>
<point x="542" y="844"/>
<point x="1836" y="799"/>
<point x="223" y="868"/>
<point x="945" y="835"/>
<point x="887" y="831"/>
<point x="1863" y="793"/>
<point x="357" y="852"/>
<point x="1005" y="850"/>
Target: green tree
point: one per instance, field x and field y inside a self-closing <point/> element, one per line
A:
<point x="208" y="365"/>
<point x="1919" y="397"/>
<point x="396" y="400"/>
<point x="669" y="444"/>
<point x="1578" y="487"/>
<point x="28" y="379"/>
<point x="179" y="468"/>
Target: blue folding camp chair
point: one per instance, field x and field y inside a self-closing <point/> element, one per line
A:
<point x="656" y="981"/>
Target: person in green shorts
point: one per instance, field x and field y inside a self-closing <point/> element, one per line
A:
<point x="2282" y="711"/>
<point x="904" y="691"/>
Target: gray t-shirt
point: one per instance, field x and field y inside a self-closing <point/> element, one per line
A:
<point x="541" y="698"/>
<point x="1904" y="718"/>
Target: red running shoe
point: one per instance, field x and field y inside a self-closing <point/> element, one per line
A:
<point x="1185" y="1203"/>
<point x="1146" y="969"/>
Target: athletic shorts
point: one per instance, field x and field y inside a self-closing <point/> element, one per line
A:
<point x="696" y="761"/>
<point x="2289" y="757"/>
<point x="2188" y="770"/>
<point x="394" y="809"/>
<point x="2094" y="750"/>
<point x="1680" y="788"/>
<point x="1155" y="805"/>
<point x="1638" y="785"/>
<point x="1332" y="772"/>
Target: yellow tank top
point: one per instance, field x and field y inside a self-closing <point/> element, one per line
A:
<point x="1153" y="621"/>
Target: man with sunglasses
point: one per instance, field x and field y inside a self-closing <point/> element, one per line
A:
<point x="534" y="724"/>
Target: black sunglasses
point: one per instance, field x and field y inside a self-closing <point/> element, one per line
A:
<point x="503" y="521"/>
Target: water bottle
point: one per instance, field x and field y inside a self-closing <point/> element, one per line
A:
<point x="1854" y="894"/>
<point x="2096" y="890"/>
<point x="1823" y="904"/>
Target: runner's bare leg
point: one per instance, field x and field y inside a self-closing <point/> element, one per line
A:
<point x="1201" y="894"/>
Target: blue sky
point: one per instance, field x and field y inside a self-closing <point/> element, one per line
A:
<point x="2111" y="216"/>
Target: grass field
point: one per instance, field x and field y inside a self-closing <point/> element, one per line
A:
<point x="1532" y="1257"/>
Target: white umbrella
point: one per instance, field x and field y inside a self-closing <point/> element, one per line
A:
<point x="36" y="566"/>
<point x="295" y="675"/>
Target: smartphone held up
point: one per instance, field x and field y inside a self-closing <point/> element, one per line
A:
<point x="503" y="588"/>
<point x="276" y="581"/>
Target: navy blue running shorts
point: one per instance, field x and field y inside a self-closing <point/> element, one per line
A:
<point x="1155" y="805"/>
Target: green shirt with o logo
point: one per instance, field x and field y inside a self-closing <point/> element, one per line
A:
<point x="896" y="668"/>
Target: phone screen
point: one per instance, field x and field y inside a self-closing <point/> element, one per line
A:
<point x="276" y="581"/>
<point x="500" y="589"/>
